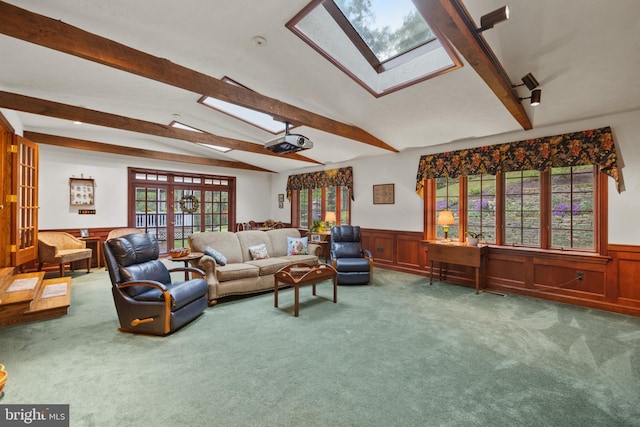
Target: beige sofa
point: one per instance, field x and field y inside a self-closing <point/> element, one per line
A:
<point x="242" y="274"/>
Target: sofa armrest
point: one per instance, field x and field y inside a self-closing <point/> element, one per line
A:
<point x="208" y="265"/>
<point x="315" y="249"/>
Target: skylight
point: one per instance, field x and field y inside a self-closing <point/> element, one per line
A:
<point x="384" y="45"/>
<point x="389" y="28"/>
<point x="253" y="117"/>
<point x="179" y="125"/>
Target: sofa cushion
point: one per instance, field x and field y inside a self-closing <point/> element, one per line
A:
<point x="306" y="259"/>
<point x="220" y="258"/>
<point x="269" y="265"/>
<point x="297" y="246"/>
<point x="278" y="239"/>
<point x="236" y="271"/>
<point x="252" y="238"/>
<point x="258" y="251"/>
<point x="224" y="242"/>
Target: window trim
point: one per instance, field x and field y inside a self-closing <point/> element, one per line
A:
<point x="295" y="205"/>
<point x="601" y="198"/>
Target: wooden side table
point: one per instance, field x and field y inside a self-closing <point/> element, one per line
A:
<point x="94" y="244"/>
<point x="452" y="253"/>
<point x="191" y="257"/>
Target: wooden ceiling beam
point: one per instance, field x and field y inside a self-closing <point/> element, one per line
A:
<point x="54" y="34"/>
<point x="101" y="147"/>
<point x="452" y="19"/>
<point x="47" y="108"/>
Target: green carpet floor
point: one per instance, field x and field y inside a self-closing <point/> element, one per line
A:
<point x="396" y="353"/>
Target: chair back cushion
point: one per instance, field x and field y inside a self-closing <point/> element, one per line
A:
<point x="345" y="241"/>
<point x="136" y="258"/>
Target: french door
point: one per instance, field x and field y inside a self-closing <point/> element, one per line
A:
<point x="173" y="205"/>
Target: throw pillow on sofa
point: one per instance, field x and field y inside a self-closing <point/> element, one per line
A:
<point x="259" y="251"/>
<point x="220" y="259"/>
<point x="297" y="246"/>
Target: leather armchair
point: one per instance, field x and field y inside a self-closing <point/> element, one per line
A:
<point x="61" y="248"/>
<point x="146" y="300"/>
<point x="354" y="264"/>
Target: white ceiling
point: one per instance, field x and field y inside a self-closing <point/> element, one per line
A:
<point x="583" y="52"/>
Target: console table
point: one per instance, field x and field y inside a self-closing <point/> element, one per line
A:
<point x="456" y="253"/>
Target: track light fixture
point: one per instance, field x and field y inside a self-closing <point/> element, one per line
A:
<point x="492" y="18"/>
<point x="530" y="81"/>
<point x="535" y="97"/>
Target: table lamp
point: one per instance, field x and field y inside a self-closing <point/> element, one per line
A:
<point x="330" y="218"/>
<point x="445" y="219"/>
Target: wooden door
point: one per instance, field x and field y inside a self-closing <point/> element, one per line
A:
<point x="24" y="234"/>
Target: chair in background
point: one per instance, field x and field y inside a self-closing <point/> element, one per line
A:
<point x="146" y="300"/>
<point x="354" y="265"/>
<point x="60" y="248"/>
<point x="119" y="232"/>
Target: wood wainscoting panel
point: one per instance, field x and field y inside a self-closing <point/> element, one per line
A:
<point x="629" y="279"/>
<point x="383" y="248"/>
<point x="397" y="250"/>
<point x="409" y="253"/>
<point x="624" y="277"/>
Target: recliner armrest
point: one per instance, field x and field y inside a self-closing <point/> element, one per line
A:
<point x="196" y="271"/>
<point x="146" y="283"/>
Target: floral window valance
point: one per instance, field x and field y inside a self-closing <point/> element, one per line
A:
<point x="329" y="178"/>
<point x="589" y="147"/>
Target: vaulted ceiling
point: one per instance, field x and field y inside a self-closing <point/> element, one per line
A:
<point x="128" y="69"/>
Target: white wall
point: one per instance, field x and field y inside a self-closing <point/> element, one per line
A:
<point x="58" y="164"/>
<point x="401" y="169"/>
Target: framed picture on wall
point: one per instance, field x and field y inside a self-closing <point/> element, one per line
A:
<point x="81" y="191"/>
<point x="383" y="194"/>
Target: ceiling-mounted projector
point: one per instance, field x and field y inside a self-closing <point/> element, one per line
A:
<point x="289" y="143"/>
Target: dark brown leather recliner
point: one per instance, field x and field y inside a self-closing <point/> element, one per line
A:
<point x="354" y="264"/>
<point x="145" y="298"/>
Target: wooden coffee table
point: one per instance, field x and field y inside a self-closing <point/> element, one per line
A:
<point x="301" y="277"/>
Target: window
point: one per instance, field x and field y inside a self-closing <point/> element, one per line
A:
<point x="313" y="205"/>
<point x="481" y="205"/>
<point x="173" y="205"/>
<point x="522" y="208"/>
<point x="572" y="214"/>
<point x="555" y="209"/>
<point x="448" y="198"/>
<point x="384" y="45"/>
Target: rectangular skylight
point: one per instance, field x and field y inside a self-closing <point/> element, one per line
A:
<point x="179" y="125"/>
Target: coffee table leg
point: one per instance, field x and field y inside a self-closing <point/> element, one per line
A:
<point x="313" y="287"/>
<point x="335" y="289"/>
<point x="275" y="292"/>
<point x="297" y="302"/>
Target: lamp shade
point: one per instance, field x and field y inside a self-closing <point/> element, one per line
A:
<point x="330" y="217"/>
<point x="445" y="218"/>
